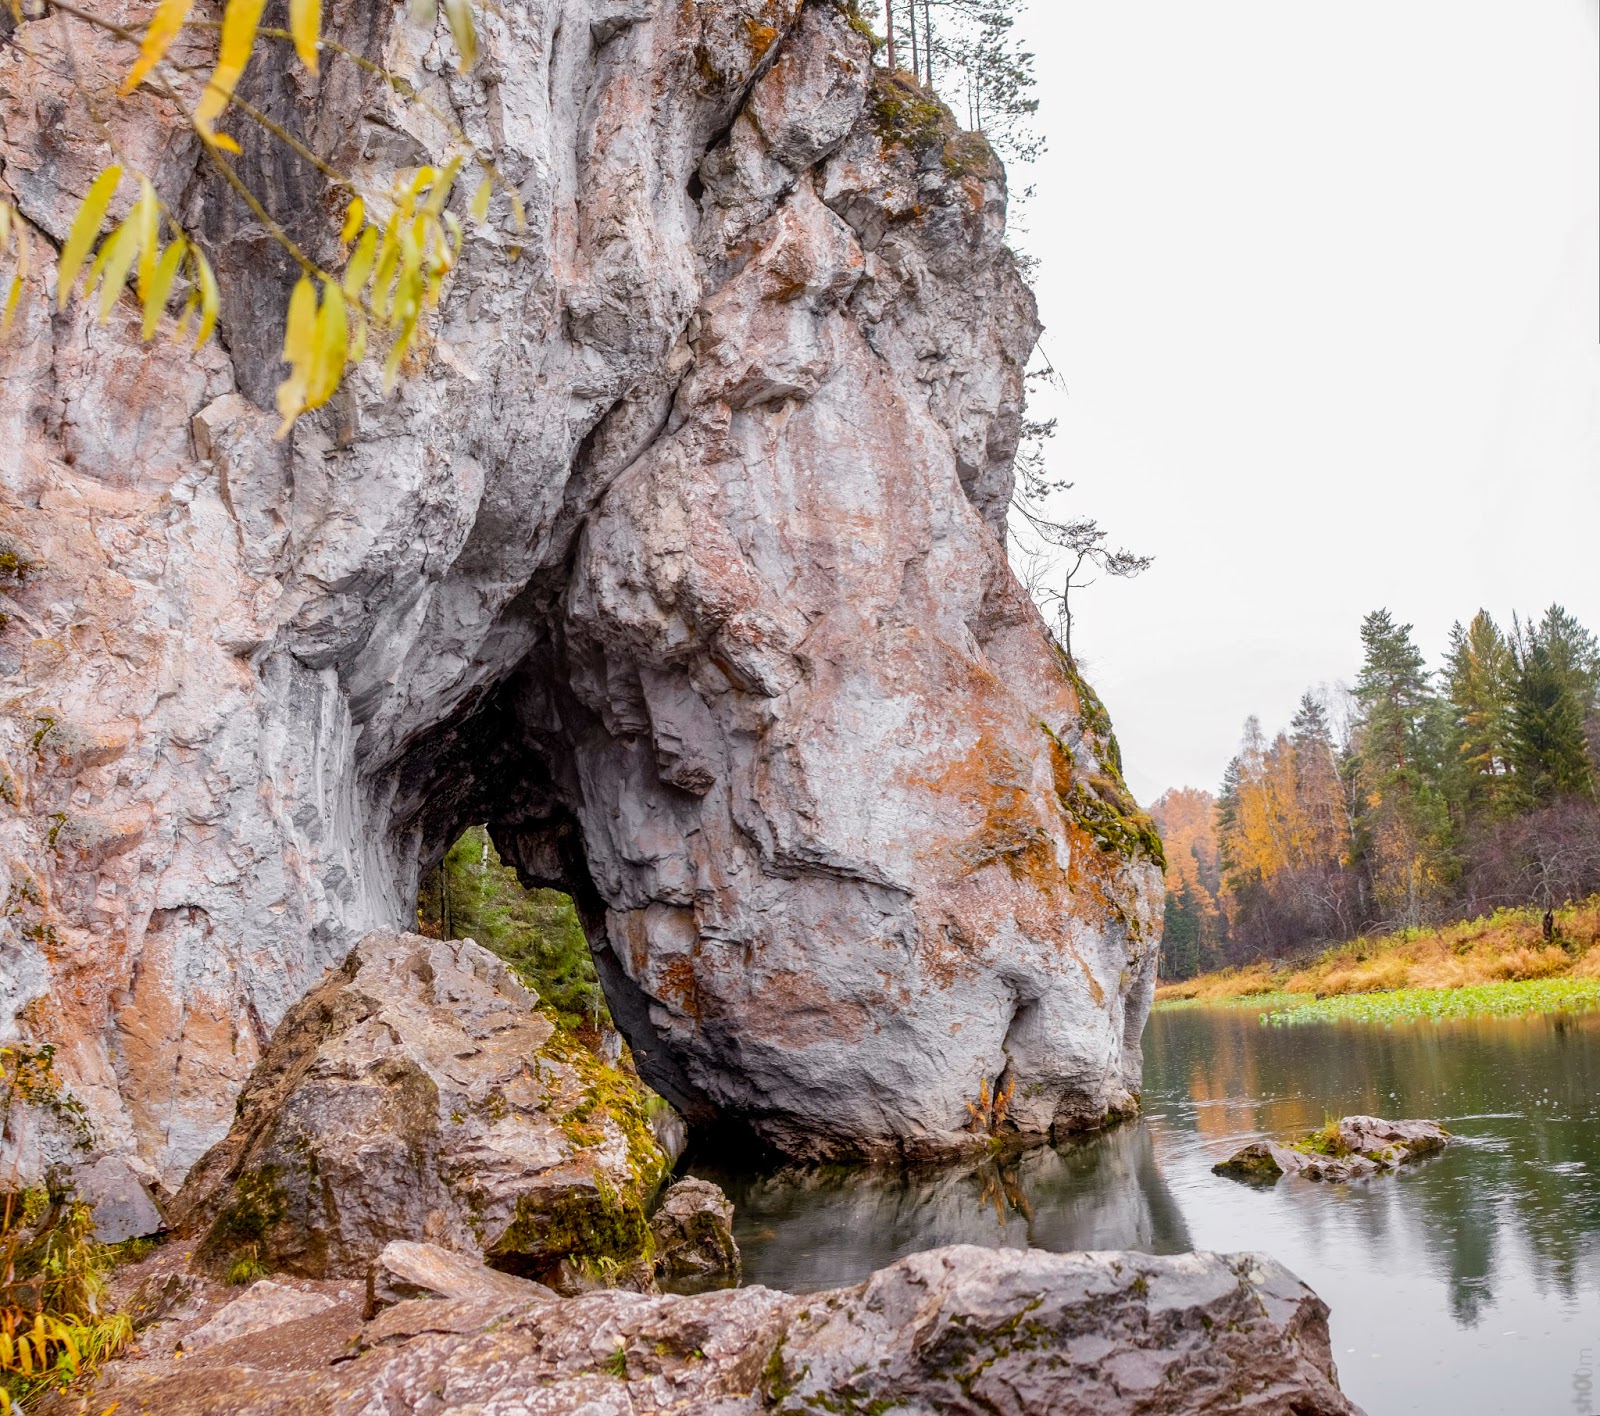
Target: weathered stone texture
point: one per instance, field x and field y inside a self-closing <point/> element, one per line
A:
<point x="411" y="1097"/>
<point x="957" y="1331"/>
<point x="676" y="561"/>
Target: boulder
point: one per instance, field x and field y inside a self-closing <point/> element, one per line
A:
<point x="164" y="1297"/>
<point x="265" y="1305"/>
<point x="420" y="1095"/>
<point x="406" y="1271"/>
<point x="957" y="1331"/>
<point x="693" y="1229"/>
<point x="1360" y="1146"/>
<point x="123" y="1208"/>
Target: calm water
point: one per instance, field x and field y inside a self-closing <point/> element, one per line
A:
<point x="1465" y="1284"/>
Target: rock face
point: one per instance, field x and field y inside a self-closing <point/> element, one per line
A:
<point x="957" y="1330"/>
<point x="678" y="561"/>
<point x="1362" y="1145"/>
<point x="693" y="1230"/>
<point x="414" y="1096"/>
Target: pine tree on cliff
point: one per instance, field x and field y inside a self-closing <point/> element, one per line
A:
<point x="968" y="51"/>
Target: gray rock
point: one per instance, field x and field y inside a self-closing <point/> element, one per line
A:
<point x="123" y="1208"/>
<point x="953" y="1331"/>
<point x="406" y="1271"/>
<point x="264" y="1305"/>
<point x="419" y="1095"/>
<point x="1366" y="1145"/>
<point x="693" y="1229"/>
<point x="164" y="1297"/>
<point x="679" y="562"/>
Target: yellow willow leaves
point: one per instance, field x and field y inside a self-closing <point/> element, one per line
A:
<point x="85" y="227"/>
<point x="164" y="27"/>
<point x="13" y="236"/>
<point x="394" y="272"/>
<point x="134" y="248"/>
<point x="239" y="23"/>
<point x="305" y="27"/>
<point x="458" y="15"/>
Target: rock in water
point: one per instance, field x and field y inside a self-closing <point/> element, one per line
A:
<point x="952" y="1331"/>
<point x="693" y="1229"/>
<point x="678" y="562"/>
<point x="1359" y="1146"/>
<point x="416" y="1096"/>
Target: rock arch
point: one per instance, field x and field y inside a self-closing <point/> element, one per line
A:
<point x="679" y="562"/>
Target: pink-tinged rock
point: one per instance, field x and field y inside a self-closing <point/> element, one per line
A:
<point x="955" y="1330"/>
<point x="678" y="562"/>
<point x="411" y="1098"/>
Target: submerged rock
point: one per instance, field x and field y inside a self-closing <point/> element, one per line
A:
<point x="1358" y="1146"/>
<point x="420" y="1095"/>
<point x="693" y="1229"/>
<point x="952" y="1331"/>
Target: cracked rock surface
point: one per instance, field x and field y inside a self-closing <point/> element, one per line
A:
<point x="960" y="1331"/>
<point x="677" y="561"/>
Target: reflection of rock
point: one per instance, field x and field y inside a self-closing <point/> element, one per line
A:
<point x="952" y="1331"/>
<point x="1362" y="1145"/>
<point x="1101" y="1192"/>
<point x="694" y="1233"/>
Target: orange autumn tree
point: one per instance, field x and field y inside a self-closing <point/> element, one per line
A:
<point x="1196" y="930"/>
<point x="1285" y="836"/>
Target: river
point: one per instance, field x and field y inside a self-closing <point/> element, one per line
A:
<point x="1465" y="1284"/>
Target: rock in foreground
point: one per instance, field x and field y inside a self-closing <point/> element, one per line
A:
<point x="960" y="1330"/>
<point x="1358" y="1146"/>
<point x="420" y="1095"/>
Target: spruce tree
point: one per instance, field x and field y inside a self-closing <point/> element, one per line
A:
<point x="1480" y="677"/>
<point x="1403" y="824"/>
<point x="1557" y="664"/>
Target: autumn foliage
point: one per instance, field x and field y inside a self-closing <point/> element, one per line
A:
<point x="1412" y="799"/>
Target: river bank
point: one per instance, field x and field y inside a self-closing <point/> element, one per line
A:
<point x="1508" y="964"/>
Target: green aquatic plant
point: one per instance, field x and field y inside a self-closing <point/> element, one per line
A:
<point x="1410" y="1005"/>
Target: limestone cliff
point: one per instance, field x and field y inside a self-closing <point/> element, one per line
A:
<point x="677" y="558"/>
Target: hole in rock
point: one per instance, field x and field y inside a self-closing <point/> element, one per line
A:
<point x="474" y="894"/>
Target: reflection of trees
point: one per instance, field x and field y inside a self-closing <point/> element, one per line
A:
<point x="805" y="1229"/>
<point x="1520" y="1093"/>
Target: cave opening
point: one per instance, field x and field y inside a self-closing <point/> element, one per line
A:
<point x="473" y="893"/>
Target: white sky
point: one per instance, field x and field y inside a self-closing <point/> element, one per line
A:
<point x="1321" y="281"/>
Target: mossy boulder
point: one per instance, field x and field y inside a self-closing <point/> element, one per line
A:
<point x="1350" y="1149"/>
<point x="421" y="1094"/>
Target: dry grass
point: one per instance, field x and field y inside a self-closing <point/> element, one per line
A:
<point x="1508" y="946"/>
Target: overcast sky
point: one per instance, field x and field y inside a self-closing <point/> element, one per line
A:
<point x="1320" y="280"/>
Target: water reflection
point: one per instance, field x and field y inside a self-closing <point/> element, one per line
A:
<point x="1465" y="1283"/>
<point x="1520" y="1093"/>
<point x="806" y="1229"/>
